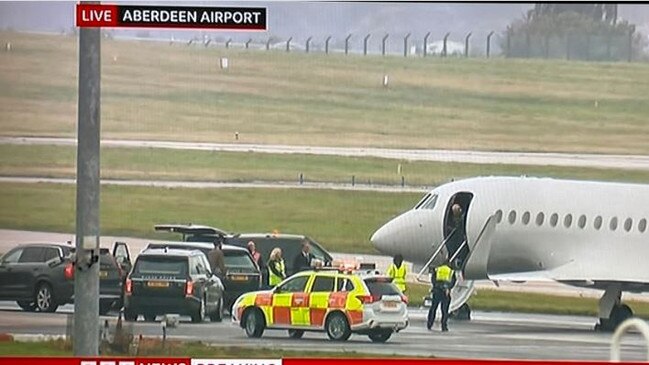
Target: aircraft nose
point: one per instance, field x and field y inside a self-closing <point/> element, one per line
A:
<point x="384" y="238"/>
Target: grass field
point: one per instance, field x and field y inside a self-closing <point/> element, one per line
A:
<point x="341" y="220"/>
<point x="157" y="91"/>
<point x="161" y="164"/>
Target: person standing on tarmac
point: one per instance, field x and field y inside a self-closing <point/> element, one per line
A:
<point x="276" y="267"/>
<point x="304" y="260"/>
<point x="217" y="259"/>
<point x="443" y="280"/>
<point x="397" y="271"/>
<point x="259" y="261"/>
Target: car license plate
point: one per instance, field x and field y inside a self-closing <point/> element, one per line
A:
<point x="157" y="284"/>
<point x="239" y="278"/>
<point x="103" y="274"/>
<point x="390" y="304"/>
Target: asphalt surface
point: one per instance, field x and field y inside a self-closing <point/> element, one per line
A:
<point x="487" y="336"/>
<point x="637" y="162"/>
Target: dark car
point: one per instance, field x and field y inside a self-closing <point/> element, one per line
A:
<point x="290" y="244"/>
<point x="165" y="280"/>
<point x="242" y="276"/>
<point x="41" y="277"/>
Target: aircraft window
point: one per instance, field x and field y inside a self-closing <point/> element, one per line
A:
<point x="628" y="223"/>
<point x="430" y="204"/>
<point x="582" y="221"/>
<point x="613" y="224"/>
<point x="512" y="217"/>
<point x="540" y="218"/>
<point x="567" y="221"/>
<point x="526" y="218"/>
<point x="499" y="216"/>
<point x="554" y="219"/>
<point x="598" y="222"/>
<point x="422" y="201"/>
<point x="642" y="225"/>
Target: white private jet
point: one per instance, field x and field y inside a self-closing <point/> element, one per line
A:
<point x="581" y="233"/>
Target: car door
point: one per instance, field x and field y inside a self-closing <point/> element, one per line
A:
<point x="319" y="292"/>
<point x="30" y="265"/>
<point x="122" y="255"/>
<point x="8" y="279"/>
<point x="291" y="302"/>
<point x="213" y="287"/>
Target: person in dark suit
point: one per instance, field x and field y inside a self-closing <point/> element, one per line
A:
<point x="304" y="260"/>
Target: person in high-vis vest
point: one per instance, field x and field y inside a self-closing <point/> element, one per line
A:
<point x="443" y="280"/>
<point x="276" y="268"/>
<point x="397" y="271"/>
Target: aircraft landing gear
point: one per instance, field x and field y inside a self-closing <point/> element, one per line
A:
<point x="611" y="311"/>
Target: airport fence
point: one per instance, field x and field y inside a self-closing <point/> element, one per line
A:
<point x="508" y="44"/>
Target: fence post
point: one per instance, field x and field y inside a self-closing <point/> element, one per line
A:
<point x="365" y="44"/>
<point x="301" y="178"/>
<point x="383" y="44"/>
<point x="509" y="42"/>
<point x="327" y="45"/>
<point x="268" y="44"/>
<point x="403" y="181"/>
<point x="353" y="180"/>
<point x="444" y="49"/>
<point x="489" y="43"/>
<point x="347" y="44"/>
<point x="288" y="44"/>
<point x="248" y="43"/>
<point x="466" y="45"/>
<point x="227" y="43"/>
<point x="630" y="45"/>
<point x="308" y="42"/>
<point x="405" y="45"/>
<point x="426" y="44"/>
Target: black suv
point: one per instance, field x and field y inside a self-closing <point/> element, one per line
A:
<point x="41" y="277"/>
<point x="165" y="280"/>
<point x="290" y="244"/>
<point x="242" y="276"/>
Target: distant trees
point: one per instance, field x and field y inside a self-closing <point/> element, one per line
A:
<point x="580" y="30"/>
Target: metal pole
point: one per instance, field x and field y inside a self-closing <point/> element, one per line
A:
<point x="426" y="44"/>
<point x="405" y="45"/>
<point x="347" y="44"/>
<point x="444" y="49"/>
<point x="308" y="42"/>
<point x="489" y="43"/>
<point x="268" y="44"/>
<point x="86" y="281"/>
<point x="327" y="45"/>
<point x="383" y="44"/>
<point x="248" y="43"/>
<point x="367" y="37"/>
<point x="288" y="44"/>
<point x="227" y="43"/>
<point x="466" y="45"/>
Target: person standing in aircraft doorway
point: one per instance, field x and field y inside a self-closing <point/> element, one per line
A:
<point x="443" y="280"/>
<point x="458" y="236"/>
<point x="397" y="271"/>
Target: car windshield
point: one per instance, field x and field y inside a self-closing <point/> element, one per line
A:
<point x="238" y="260"/>
<point x="161" y="265"/>
<point x="379" y="287"/>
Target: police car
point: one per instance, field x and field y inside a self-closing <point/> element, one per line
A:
<point x="337" y="301"/>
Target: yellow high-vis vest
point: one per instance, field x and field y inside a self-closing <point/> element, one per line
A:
<point x="443" y="273"/>
<point x="398" y="275"/>
<point x="273" y="279"/>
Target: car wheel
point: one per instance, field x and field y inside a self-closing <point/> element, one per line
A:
<point x="199" y="316"/>
<point x="295" y="333"/>
<point x="130" y="316"/>
<point x="44" y="298"/>
<point x="27" y="305"/>
<point x="337" y="327"/>
<point x="253" y="323"/>
<point x="149" y="317"/>
<point x="217" y="316"/>
<point x="380" y="336"/>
